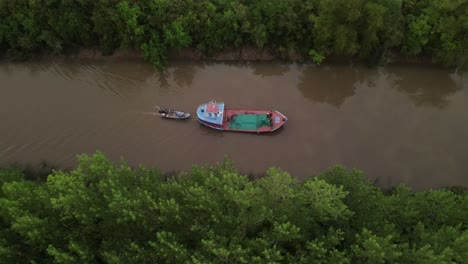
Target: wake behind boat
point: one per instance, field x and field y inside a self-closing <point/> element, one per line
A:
<point x="214" y="115"/>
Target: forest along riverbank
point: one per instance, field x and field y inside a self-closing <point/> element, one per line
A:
<point x="312" y="30"/>
<point x="399" y="124"/>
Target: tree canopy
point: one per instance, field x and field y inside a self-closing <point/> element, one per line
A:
<point x="105" y="212"/>
<point x="367" y="30"/>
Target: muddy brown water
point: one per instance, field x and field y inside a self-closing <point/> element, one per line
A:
<point x="398" y="124"/>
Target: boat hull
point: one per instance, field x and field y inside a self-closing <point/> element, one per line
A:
<point x="173" y="114"/>
<point x="210" y="125"/>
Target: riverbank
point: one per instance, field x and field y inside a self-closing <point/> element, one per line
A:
<point x="293" y="30"/>
<point x="247" y="54"/>
<point x="39" y="172"/>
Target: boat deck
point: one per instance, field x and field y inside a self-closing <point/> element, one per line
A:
<point x="252" y="120"/>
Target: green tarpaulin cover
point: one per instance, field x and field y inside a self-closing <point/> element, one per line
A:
<point x="249" y="122"/>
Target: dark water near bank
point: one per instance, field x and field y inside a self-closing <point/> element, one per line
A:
<point x="399" y="124"/>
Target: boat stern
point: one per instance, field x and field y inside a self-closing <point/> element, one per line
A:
<point x="211" y="114"/>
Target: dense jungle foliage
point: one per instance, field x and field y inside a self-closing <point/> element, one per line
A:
<point x="105" y="212"/>
<point x="366" y="30"/>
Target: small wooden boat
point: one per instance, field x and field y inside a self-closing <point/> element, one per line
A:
<point x="173" y="114"/>
<point x="214" y="115"/>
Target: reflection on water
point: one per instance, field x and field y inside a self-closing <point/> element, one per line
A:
<point x="183" y="74"/>
<point x="331" y="85"/>
<point x="268" y="69"/>
<point x="424" y="85"/>
<point x="180" y="75"/>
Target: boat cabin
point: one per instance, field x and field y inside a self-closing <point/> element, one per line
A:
<point x="211" y="112"/>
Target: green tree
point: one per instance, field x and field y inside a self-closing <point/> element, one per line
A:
<point x="370" y="248"/>
<point x="105" y="20"/>
<point x="129" y="26"/>
<point x="111" y="213"/>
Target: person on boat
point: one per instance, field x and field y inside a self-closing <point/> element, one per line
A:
<point x="164" y="112"/>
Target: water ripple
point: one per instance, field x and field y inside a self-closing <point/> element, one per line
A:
<point x="96" y="76"/>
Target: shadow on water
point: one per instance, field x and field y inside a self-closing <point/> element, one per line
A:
<point x="425" y="86"/>
<point x="179" y="74"/>
<point x="334" y="84"/>
<point x="184" y="73"/>
<point x="32" y="69"/>
<point x="331" y="85"/>
<point x="38" y="171"/>
<point x="163" y="80"/>
<point x="269" y="69"/>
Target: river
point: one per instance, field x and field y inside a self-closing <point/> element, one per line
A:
<point x="398" y="124"/>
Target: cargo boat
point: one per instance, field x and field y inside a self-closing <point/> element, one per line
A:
<point x="216" y="116"/>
